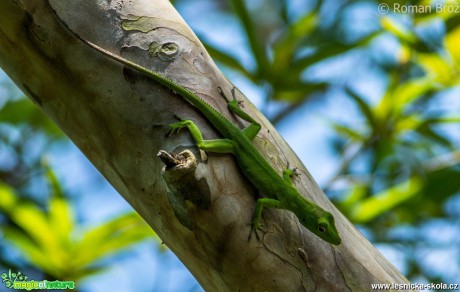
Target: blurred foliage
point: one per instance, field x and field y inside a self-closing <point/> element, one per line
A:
<point x="30" y="115"/>
<point x="41" y="225"/>
<point x="284" y="49"/>
<point x="51" y="241"/>
<point x="399" y="160"/>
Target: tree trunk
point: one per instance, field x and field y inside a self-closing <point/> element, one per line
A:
<point x="201" y="211"/>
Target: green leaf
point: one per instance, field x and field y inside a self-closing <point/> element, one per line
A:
<point x="296" y="93"/>
<point x="8" y="198"/>
<point x="365" y="108"/>
<point x="284" y="49"/>
<point x="23" y="111"/>
<point x="45" y="239"/>
<point x="400" y="96"/>
<point x="60" y="212"/>
<point x="400" y="32"/>
<point x="451" y="44"/>
<point x="255" y="42"/>
<point x="227" y="60"/>
<point x="442" y="184"/>
<point x="111" y="236"/>
<point x="438" y="69"/>
<point x="408" y="92"/>
<point x="356" y="194"/>
<point x="60" y="218"/>
<point x="429" y="133"/>
<point x="348" y="132"/>
<point x="452" y="22"/>
<point x="31" y="251"/>
<point x="33" y="221"/>
<point x="386" y="200"/>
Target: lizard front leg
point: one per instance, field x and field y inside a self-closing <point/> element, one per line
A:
<point x="215" y="145"/>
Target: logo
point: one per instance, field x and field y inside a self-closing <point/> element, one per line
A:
<point x="19" y="281"/>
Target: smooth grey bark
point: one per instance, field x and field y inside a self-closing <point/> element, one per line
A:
<point x="109" y="113"/>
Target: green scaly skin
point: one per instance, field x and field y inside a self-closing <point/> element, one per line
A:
<point x="279" y="190"/>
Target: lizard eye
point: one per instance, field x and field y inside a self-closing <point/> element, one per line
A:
<point x="321" y="229"/>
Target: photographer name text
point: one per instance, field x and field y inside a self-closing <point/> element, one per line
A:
<point x="450" y="7"/>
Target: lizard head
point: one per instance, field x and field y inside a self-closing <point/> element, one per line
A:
<point x="321" y="223"/>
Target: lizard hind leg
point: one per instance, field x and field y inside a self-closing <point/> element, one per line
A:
<point x="260" y="204"/>
<point x="289" y="173"/>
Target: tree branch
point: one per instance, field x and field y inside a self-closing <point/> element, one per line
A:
<point x="109" y="112"/>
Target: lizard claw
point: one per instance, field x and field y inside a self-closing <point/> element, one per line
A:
<point x="254" y="228"/>
<point x="295" y="172"/>
<point x="234" y="101"/>
<point x="171" y="132"/>
<point x="292" y="171"/>
<point x="255" y="232"/>
<point x="221" y="92"/>
<point x="176" y="127"/>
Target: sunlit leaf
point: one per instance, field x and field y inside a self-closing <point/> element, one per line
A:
<point x="407" y="92"/>
<point x="437" y="68"/>
<point x="402" y="33"/>
<point x="400" y="96"/>
<point x="36" y="239"/>
<point x="452" y="45"/>
<point x="112" y="236"/>
<point x="409" y="123"/>
<point x="356" y="194"/>
<point x="60" y="217"/>
<point x="33" y="221"/>
<point x="60" y="212"/>
<point x="31" y="251"/>
<point x="386" y="200"/>
<point x="45" y="238"/>
<point x="8" y="198"/>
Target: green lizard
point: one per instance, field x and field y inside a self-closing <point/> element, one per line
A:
<point x="279" y="190"/>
